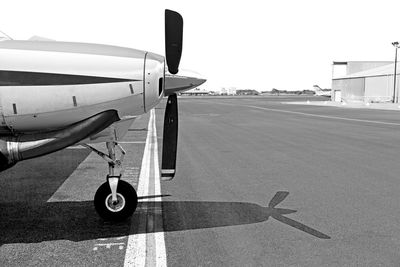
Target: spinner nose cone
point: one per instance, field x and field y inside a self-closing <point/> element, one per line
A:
<point x="180" y="83"/>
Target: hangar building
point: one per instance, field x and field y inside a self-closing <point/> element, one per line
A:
<point x="364" y="81"/>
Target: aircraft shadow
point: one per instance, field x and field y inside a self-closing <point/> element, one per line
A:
<point x="78" y="221"/>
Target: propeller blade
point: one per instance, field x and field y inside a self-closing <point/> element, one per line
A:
<point x="278" y="198"/>
<point x="170" y="138"/>
<point x="173" y="39"/>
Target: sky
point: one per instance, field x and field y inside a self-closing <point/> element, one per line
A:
<point x="288" y="45"/>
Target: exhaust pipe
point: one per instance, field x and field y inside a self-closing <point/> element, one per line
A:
<point x="14" y="149"/>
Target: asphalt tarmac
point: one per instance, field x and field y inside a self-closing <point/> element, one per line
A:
<point x="259" y="183"/>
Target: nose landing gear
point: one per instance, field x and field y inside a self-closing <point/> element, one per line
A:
<point x="115" y="200"/>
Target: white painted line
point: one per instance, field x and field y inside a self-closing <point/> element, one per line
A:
<point x="132" y="142"/>
<point x="314" y="115"/>
<point x="323" y="116"/>
<point x="109" y="245"/>
<point x="148" y="249"/>
<point x="161" y="254"/>
<point x="76" y="147"/>
<point x="135" y="254"/>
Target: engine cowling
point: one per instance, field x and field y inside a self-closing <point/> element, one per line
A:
<point x="154" y="80"/>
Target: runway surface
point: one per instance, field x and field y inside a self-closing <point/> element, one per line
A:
<point x="259" y="183"/>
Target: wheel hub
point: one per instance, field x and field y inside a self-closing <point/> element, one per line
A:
<point x="115" y="206"/>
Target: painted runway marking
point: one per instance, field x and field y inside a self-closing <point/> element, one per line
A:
<point x="207" y="115"/>
<point x="110" y="243"/>
<point x="323" y="116"/>
<point x="146" y="246"/>
<point x="76" y="147"/>
<point x="314" y="115"/>
<point x="132" y="142"/>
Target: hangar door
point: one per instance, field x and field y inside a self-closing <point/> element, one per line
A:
<point x="354" y="90"/>
<point x="378" y="89"/>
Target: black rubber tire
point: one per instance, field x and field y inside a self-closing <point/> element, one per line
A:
<point x="126" y="190"/>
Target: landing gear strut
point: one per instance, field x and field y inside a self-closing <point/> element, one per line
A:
<point x="115" y="200"/>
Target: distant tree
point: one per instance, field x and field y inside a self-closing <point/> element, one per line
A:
<point x="275" y="91"/>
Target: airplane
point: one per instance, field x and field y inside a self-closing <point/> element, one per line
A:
<point x="57" y="94"/>
<point x="322" y="92"/>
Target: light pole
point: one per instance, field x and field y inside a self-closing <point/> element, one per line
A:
<point x="396" y="45"/>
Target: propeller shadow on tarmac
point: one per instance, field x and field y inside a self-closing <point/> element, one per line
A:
<point x="201" y="214"/>
<point x="77" y="221"/>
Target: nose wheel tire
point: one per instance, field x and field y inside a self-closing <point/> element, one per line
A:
<point x="119" y="210"/>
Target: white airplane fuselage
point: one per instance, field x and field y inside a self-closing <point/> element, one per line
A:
<point x="322" y="92"/>
<point x="57" y="94"/>
<point x="49" y="85"/>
